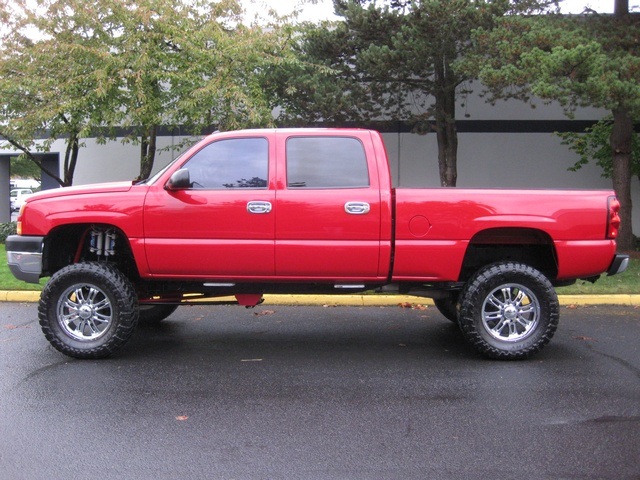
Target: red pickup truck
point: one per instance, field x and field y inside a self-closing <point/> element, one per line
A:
<point x="306" y="211"/>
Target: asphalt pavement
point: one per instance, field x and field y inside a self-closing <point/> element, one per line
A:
<point x="321" y="392"/>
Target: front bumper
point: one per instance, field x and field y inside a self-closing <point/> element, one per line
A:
<point x="619" y="264"/>
<point x="24" y="257"/>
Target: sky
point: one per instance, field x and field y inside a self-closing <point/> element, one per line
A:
<point x="315" y="10"/>
<point x="323" y="9"/>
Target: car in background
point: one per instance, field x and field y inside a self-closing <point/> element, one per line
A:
<point x="18" y="197"/>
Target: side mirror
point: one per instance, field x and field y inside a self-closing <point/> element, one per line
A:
<point x="180" y="180"/>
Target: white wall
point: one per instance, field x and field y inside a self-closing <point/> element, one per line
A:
<point x="114" y="161"/>
<point x="498" y="160"/>
<point x="475" y="106"/>
<point x="501" y="160"/>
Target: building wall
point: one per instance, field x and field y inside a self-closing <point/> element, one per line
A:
<point x="485" y="160"/>
<point x="522" y="152"/>
<point x="492" y="160"/>
<point x="115" y="161"/>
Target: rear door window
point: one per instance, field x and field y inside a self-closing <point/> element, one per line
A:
<point x="326" y="162"/>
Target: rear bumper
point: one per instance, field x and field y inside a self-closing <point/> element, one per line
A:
<point x="24" y="257"/>
<point x="619" y="264"/>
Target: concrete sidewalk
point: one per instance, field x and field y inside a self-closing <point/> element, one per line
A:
<point x="368" y="300"/>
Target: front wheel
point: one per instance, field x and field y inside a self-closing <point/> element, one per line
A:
<point x="88" y="310"/>
<point x="508" y="311"/>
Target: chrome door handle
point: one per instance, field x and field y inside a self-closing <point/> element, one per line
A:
<point x="357" y="208"/>
<point x="258" y="207"/>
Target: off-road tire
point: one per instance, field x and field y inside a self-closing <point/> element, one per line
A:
<point x="88" y="310"/>
<point x="508" y="311"/>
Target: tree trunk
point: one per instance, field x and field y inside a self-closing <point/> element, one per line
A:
<point x="148" y="152"/>
<point x="621" y="146"/>
<point x="446" y="131"/>
<point x="447" y="136"/>
<point x="621" y="8"/>
<point x="621" y="138"/>
<point x="70" y="160"/>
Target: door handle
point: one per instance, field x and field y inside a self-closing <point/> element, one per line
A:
<point x="357" y="208"/>
<point x="258" y="207"/>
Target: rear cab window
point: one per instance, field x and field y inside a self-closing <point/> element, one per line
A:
<point x="326" y="162"/>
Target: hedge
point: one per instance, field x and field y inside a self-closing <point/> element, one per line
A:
<point x="7" y="229"/>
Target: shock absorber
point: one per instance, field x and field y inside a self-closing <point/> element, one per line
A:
<point x="96" y="241"/>
<point x="102" y="242"/>
<point x="110" y="243"/>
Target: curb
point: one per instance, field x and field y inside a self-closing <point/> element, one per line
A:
<point x="369" y="300"/>
<point x="393" y="300"/>
<point x="19" y="296"/>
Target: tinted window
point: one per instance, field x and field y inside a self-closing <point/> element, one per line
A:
<point x="232" y="163"/>
<point x="326" y="162"/>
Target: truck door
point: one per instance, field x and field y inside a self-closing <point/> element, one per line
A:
<point x="328" y="201"/>
<point x="222" y="225"/>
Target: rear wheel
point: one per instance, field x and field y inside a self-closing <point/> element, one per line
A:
<point x="508" y="311"/>
<point x="88" y="310"/>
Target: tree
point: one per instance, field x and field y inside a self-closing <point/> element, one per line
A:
<point x="52" y="80"/>
<point x="595" y="144"/>
<point x="590" y="59"/>
<point x="23" y="167"/>
<point x="393" y="62"/>
<point x="101" y="66"/>
<point x="186" y="65"/>
<point x="192" y="65"/>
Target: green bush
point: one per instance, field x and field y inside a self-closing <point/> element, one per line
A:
<point x="7" y="229"/>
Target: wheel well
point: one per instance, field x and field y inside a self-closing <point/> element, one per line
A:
<point x="524" y="245"/>
<point x="69" y="244"/>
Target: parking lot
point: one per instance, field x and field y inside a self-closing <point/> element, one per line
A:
<point x="321" y="393"/>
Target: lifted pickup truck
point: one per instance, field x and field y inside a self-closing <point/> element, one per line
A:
<point x="306" y="211"/>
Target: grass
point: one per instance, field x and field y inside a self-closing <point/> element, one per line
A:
<point x="8" y="281"/>
<point x="625" y="283"/>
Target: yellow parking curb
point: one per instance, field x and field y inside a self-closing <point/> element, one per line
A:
<point x="619" y="299"/>
<point x="369" y="300"/>
<point x="345" y="300"/>
<point x="19" y="296"/>
<point x="385" y="300"/>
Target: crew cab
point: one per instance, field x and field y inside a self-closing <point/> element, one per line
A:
<point x="251" y="212"/>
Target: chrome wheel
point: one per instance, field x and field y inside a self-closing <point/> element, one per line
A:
<point x="84" y="312"/>
<point x="88" y="310"/>
<point x="510" y="313"/>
